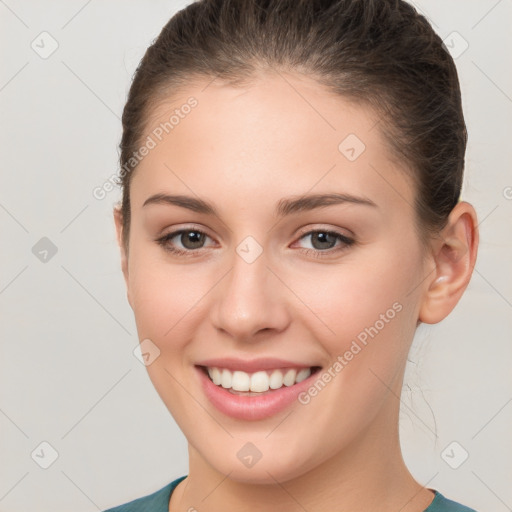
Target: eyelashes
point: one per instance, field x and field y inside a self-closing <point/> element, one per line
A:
<point x="165" y="241"/>
<point x="327" y="236"/>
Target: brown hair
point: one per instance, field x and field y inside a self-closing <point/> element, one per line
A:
<point x="382" y="53"/>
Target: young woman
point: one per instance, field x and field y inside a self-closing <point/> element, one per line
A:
<point x="291" y="174"/>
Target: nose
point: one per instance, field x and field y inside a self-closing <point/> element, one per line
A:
<point x="250" y="300"/>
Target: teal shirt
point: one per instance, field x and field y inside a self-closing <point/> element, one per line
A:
<point x="159" y="502"/>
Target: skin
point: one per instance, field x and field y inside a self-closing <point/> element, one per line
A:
<point x="340" y="451"/>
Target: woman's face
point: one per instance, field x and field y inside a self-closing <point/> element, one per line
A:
<point x="329" y="284"/>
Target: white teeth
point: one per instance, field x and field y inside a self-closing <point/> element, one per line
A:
<point x="303" y="374"/>
<point x="259" y="381"/>
<point x="241" y="381"/>
<point x="226" y="379"/>
<point x="276" y="380"/>
<point x="289" y="377"/>
<point x="215" y="375"/>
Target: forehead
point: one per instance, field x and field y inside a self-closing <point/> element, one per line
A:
<point x="284" y="133"/>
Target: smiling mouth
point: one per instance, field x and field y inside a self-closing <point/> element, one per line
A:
<point x="257" y="383"/>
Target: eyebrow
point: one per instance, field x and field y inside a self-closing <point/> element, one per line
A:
<point x="284" y="207"/>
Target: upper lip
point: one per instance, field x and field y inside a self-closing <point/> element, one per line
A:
<point x="252" y="365"/>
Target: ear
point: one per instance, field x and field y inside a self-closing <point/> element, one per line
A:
<point x="118" y="220"/>
<point x="454" y="256"/>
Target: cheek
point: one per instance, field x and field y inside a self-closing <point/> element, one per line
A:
<point x="167" y="303"/>
<point x="367" y="324"/>
<point x="165" y="297"/>
<point x="365" y="293"/>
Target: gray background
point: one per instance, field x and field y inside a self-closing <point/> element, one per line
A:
<point x="68" y="375"/>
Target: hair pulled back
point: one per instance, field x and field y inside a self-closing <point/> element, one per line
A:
<point x="382" y="53"/>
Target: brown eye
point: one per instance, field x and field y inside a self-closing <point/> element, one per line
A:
<point x="183" y="241"/>
<point x="191" y="239"/>
<point x="323" y="242"/>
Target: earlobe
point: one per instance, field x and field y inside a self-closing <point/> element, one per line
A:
<point x="454" y="257"/>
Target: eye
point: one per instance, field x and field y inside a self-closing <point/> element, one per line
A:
<point x="324" y="242"/>
<point x="190" y="239"/>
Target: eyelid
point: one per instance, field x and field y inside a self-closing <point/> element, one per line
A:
<point x="319" y="227"/>
<point x="180" y="229"/>
<point x="300" y="233"/>
<point x="347" y="240"/>
<point x="176" y="231"/>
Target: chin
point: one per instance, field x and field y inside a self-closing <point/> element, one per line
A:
<point x="268" y="470"/>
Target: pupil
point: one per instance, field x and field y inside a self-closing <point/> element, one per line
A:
<point x="193" y="237"/>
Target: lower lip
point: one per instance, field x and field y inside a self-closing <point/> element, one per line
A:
<point x="256" y="407"/>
